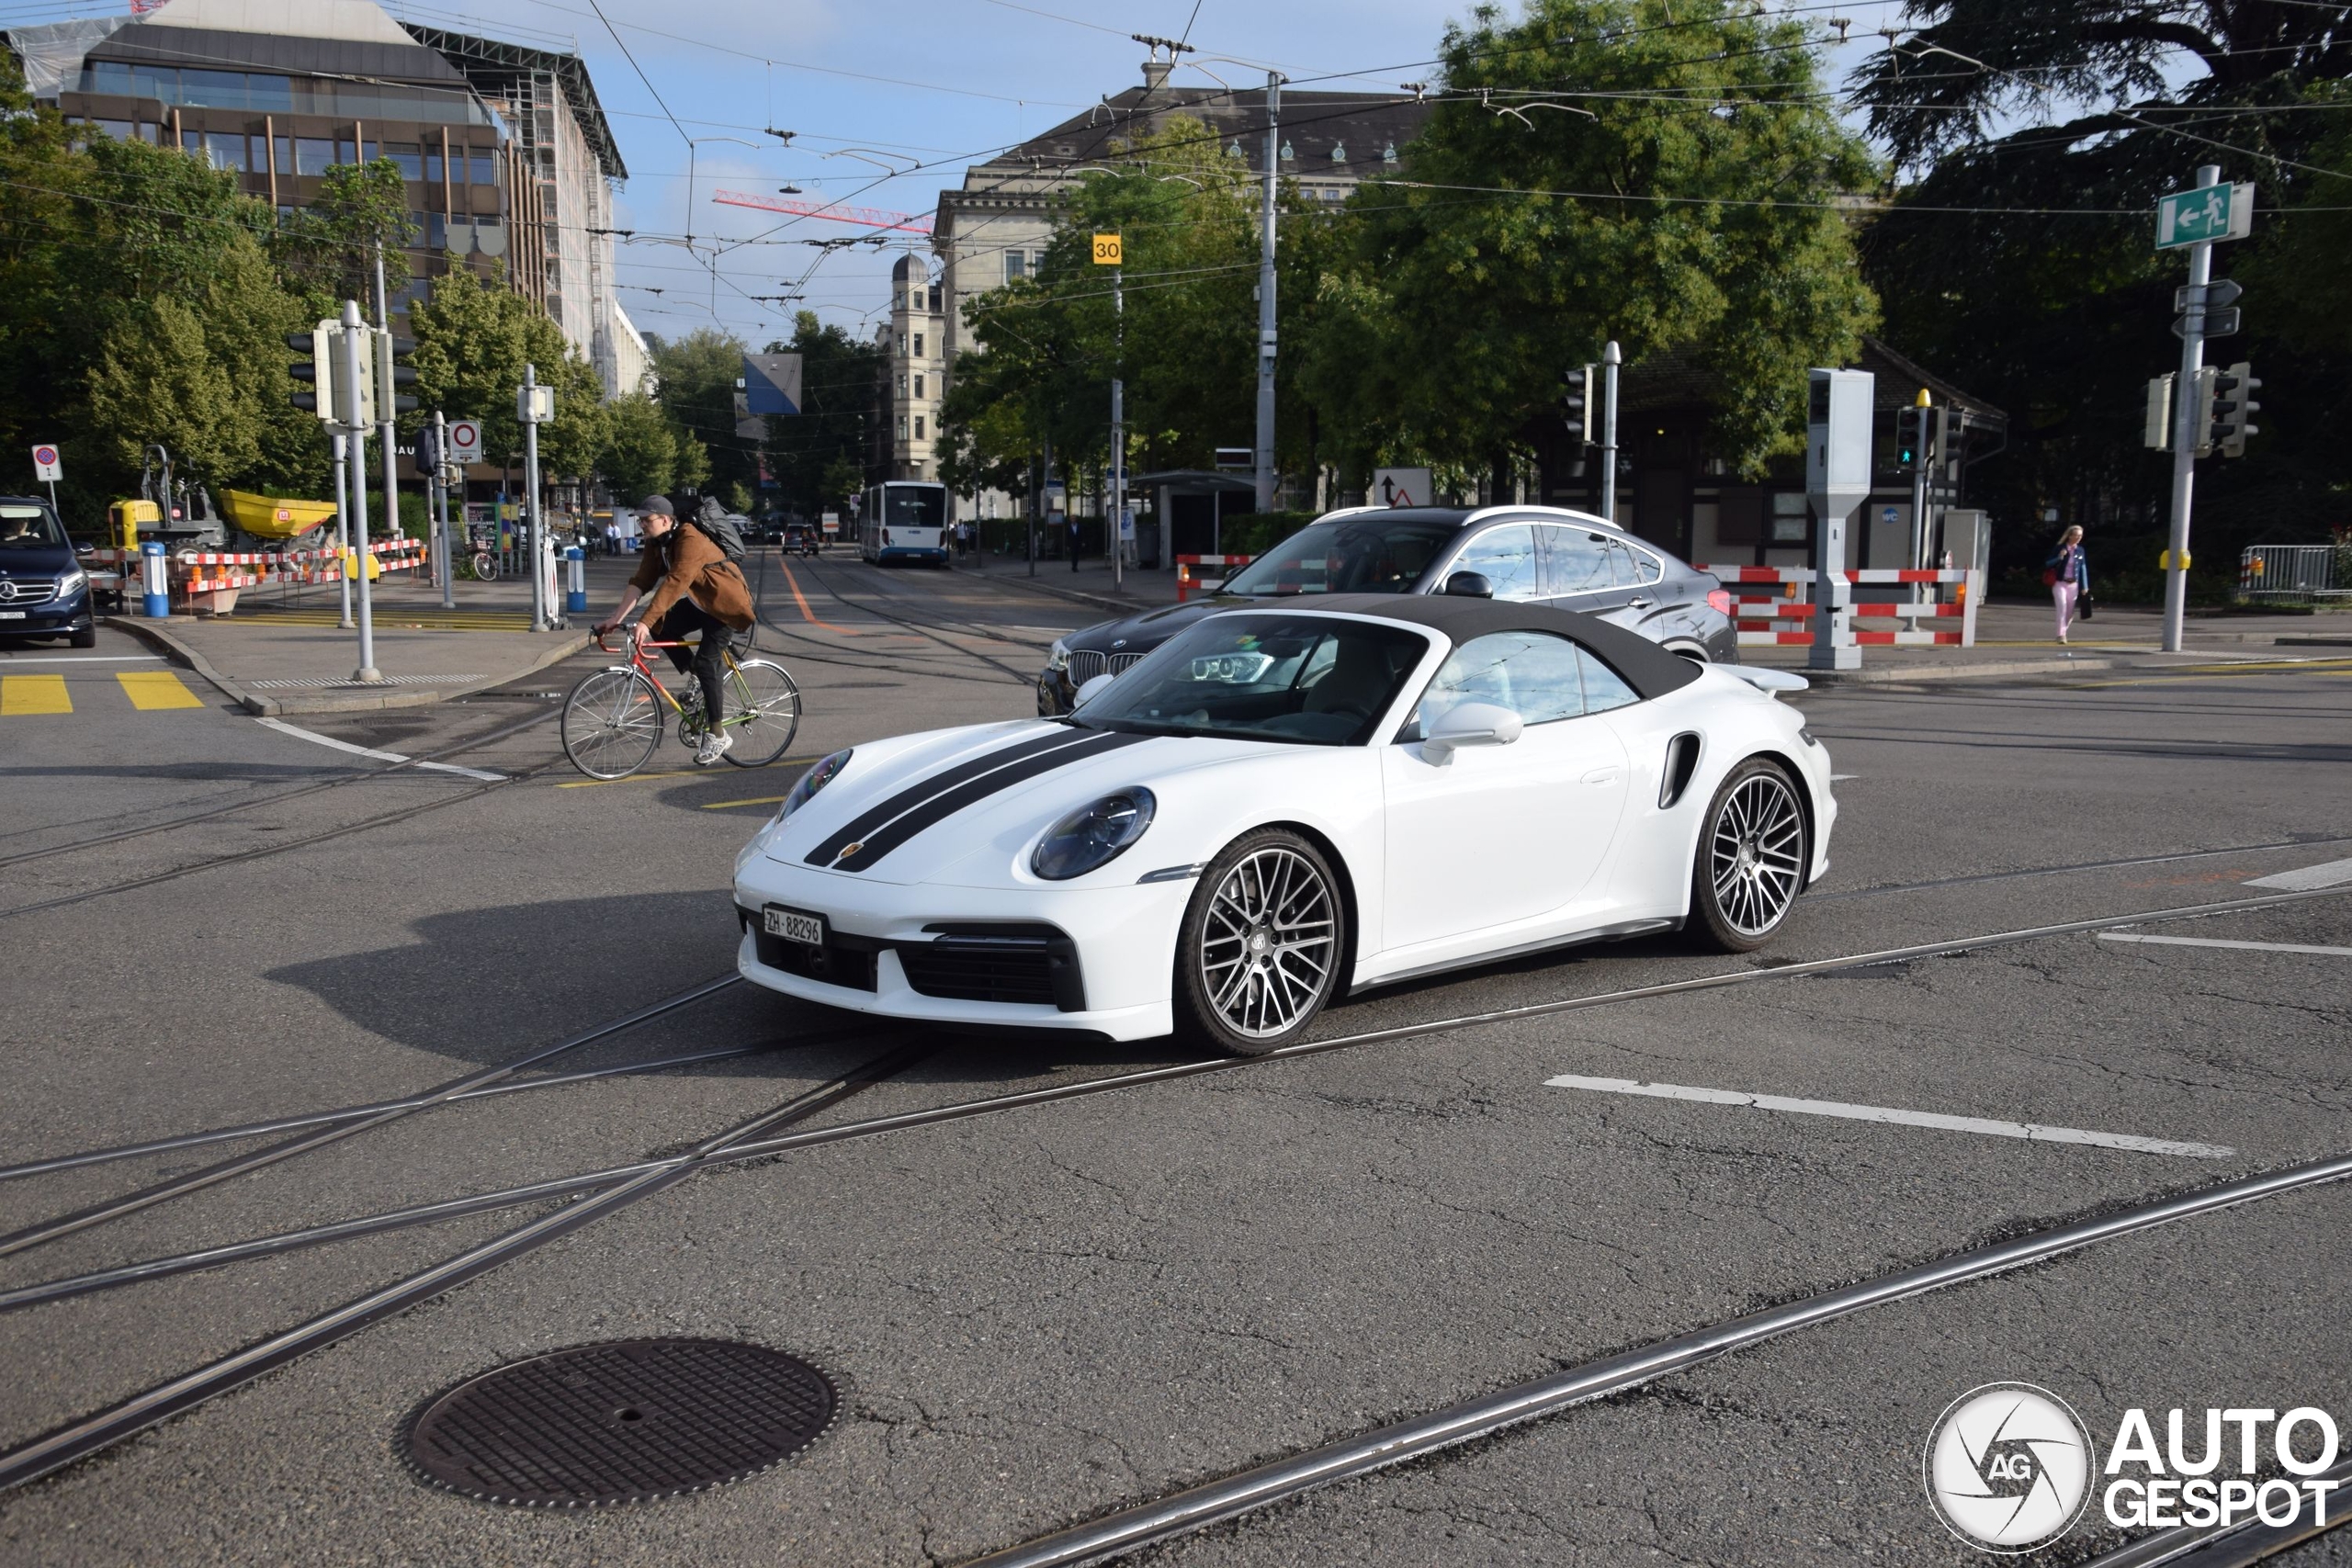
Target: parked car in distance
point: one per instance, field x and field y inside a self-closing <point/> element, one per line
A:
<point x="1570" y="561"/>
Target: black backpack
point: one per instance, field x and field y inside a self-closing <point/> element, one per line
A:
<point x="720" y="528"/>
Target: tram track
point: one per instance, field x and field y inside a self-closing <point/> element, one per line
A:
<point x="760" y="1140"/>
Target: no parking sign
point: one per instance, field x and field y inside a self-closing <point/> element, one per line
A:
<point x="47" y="465"/>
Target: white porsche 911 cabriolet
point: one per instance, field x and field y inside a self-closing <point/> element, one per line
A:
<point x="1280" y="805"/>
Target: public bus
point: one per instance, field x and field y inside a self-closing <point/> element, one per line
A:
<point x="903" y="520"/>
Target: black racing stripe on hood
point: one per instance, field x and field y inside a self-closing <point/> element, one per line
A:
<point x="940" y="807"/>
<point x="914" y="795"/>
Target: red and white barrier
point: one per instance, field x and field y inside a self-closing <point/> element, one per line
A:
<point x="1186" y="581"/>
<point x="1772" y="606"/>
<point x="211" y="579"/>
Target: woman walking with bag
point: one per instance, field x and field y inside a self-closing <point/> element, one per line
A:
<point x="2068" y="575"/>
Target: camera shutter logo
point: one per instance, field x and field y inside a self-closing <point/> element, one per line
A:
<point x="2008" y="1466"/>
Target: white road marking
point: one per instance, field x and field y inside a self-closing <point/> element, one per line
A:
<point x="1841" y="778"/>
<point x="2031" y="1131"/>
<point x="285" y="728"/>
<point x="2216" y="941"/>
<point x="2327" y="874"/>
<point x="87" y="658"/>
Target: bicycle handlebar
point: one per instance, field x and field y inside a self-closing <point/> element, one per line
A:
<point x="603" y="646"/>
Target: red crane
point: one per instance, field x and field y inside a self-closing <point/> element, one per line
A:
<point x="832" y="213"/>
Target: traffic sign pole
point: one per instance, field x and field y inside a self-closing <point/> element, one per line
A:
<point x="2184" y="426"/>
<point x="354" y="416"/>
<point x="48" y="467"/>
<point x="448" y="553"/>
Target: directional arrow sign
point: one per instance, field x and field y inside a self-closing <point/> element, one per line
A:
<point x="2217" y="323"/>
<point x="2226" y="291"/>
<point x="2208" y="213"/>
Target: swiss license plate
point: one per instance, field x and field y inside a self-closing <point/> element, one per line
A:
<point x="12" y="615"/>
<point x="794" y="926"/>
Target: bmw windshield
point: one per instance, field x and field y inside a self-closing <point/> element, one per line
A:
<point x="1363" y="554"/>
<point x="1305" y="680"/>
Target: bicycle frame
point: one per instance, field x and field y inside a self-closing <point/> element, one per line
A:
<point x="639" y="663"/>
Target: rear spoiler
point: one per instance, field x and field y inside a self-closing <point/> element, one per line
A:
<point x="1769" y="682"/>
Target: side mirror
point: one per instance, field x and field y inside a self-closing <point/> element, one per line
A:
<point x="1088" y="690"/>
<point x="1470" y="724"/>
<point x="1469" y="585"/>
<point x="85" y="551"/>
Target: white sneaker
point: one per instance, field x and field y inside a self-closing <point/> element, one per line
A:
<point x="713" y="747"/>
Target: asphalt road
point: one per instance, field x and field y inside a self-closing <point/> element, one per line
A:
<point x="1040" y="1314"/>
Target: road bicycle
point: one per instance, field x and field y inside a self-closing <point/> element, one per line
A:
<point x="614" y="718"/>
<point x="485" y="566"/>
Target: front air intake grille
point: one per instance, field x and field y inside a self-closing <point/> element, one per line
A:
<point x="842" y="961"/>
<point x="1034" y="965"/>
<point x="1085" y="664"/>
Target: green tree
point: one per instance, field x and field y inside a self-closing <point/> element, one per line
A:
<point x="2020" y="260"/>
<point x="328" y="249"/>
<point x="641" y="452"/>
<point x="473" y="339"/>
<point x="1666" y="172"/>
<point x="696" y="377"/>
<point x="817" y="457"/>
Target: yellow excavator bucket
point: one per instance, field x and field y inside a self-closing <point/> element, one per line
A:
<point x="270" y="517"/>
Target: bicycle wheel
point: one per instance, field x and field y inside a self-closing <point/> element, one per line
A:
<point x="766" y="712"/>
<point x="485" y="568"/>
<point x="612" y="723"/>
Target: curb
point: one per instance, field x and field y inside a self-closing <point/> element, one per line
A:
<point x="1952" y="672"/>
<point x="1099" y="601"/>
<point x="180" y="653"/>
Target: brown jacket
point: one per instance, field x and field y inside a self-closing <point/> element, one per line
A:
<point x="684" y="563"/>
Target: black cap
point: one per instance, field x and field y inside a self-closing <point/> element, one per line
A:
<point x="660" y="504"/>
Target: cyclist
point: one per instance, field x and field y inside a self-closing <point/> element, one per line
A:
<point x="695" y="589"/>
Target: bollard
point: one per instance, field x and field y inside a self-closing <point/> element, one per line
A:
<point x="154" y="586"/>
<point x="575" y="598"/>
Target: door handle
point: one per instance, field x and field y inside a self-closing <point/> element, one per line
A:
<point x="1637" y="603"/>
<point x="1602" y="776"/>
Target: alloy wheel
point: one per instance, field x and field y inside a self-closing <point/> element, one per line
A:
<point x="1268" y="942"/>
<point x="1755" y="857"/>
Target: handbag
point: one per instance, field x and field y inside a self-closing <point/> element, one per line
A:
<point x="2049" y="576"/>
<point x="2083" y="608"/>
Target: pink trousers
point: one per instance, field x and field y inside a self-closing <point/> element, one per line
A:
<point x="2062" y="594"/>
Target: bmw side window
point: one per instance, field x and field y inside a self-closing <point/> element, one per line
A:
<point x="1603" y="687"/>
<point x="1647" y="568"/>
<point x="1578" y="561"/>
<point x="1505" y="556"/>
<point x="1534" y="675"/>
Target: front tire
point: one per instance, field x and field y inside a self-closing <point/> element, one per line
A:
<point x="612" y="723"/>
<point x="1751" y="862"/>
<point x="1259" y="951"/>
<point x="86" y="637"/>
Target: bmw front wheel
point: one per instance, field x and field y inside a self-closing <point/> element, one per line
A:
<point x="1260" y="952"/>
<point x="1752" y="859"/>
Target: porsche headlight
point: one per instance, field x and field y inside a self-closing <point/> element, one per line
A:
<point x="1094" y="835"/>
<point x="1058" y="658"/>
<point x="811" y="782"/>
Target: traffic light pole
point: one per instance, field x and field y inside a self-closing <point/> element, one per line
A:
<point x="1611" y="357"/>
<point x="448" y="552"/>
<point x="392" y="467"/>
<point x="534" y="523"/>
<point x="1919" y="487"/>
<point x="2185" y="434"/>
<point x="356" y="412"/>
<point x="1118" y="431"/>
<point x="1266" y="318"/>
<point x="342" y="516"/>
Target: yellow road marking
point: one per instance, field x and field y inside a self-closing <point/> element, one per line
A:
<point x="2229" y="672"/>
<point x="761" y="800"/>
<point x="33" y="693"/>
<point x="156" y="689"/>
<point x="687" y="774"/>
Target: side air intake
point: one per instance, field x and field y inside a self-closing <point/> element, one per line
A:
<point x="1681" y="762"/>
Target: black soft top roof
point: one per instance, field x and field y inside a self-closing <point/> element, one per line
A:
<point x="1647" y="668"/>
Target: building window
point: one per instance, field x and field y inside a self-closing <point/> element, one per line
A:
<point x="432" y="164"/>
<point x="313" y="154"/>
<point x="1790" y="522"/>
<point x="903" y="386"/>
<point x="902" y="427"/>
<point x="485" y="165"/>
<point x="1016" y="265"/>
<point x="918" y="355"/>
<point x="918" y="379"/>
<point x="409" y="156"/>
<point x="917" y="433"/>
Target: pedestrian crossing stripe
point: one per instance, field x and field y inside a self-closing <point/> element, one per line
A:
<point x="24" y="694"/>
<point x="156" y="689"/>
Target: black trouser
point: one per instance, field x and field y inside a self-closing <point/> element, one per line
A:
<point x="705" y="659"/>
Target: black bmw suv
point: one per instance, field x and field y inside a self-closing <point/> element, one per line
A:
<point x="43" y="589"/>
<point x="1561" y="558"/>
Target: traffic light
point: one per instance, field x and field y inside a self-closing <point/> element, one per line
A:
<point x="2156" y="434"/>
<point x="1910" y="437"/>
<point x="392" y="375"/>
<point x="318" y="370"/>
<point x="1576" y="403"/>
<point x="2230" y="407"/>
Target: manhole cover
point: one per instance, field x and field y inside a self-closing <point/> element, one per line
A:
<point x="621" y="1422"/>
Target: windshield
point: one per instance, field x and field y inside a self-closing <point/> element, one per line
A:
<point x="1349" y="555"/>
<point x="915" y="508"/>
<point x="24" y="527"/>
<point x="1305" y="680"/>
